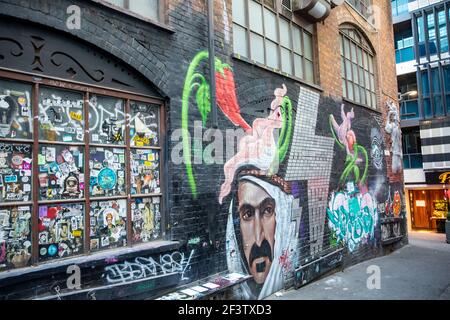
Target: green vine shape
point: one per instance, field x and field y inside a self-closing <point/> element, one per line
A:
<point x="286" y="130"/>
<point x="350" y="161"/>
<point x="204" y="106"/>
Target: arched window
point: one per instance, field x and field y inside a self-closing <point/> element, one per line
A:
<point x="357" y="68"/>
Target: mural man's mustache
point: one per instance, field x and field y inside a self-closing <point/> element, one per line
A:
<point x="260" y="252"/>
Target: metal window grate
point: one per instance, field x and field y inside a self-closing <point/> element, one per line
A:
<point x="287" y="4"/>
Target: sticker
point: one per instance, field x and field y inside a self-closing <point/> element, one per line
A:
<point x="10" y="179"/>
<point x="41" y="159"/>
<point x="22" y="101"/>
<point x="50" y="154"/>
<point x="52" y="250"/>
<point x="77" y="116"/>
<point x="53" y="168"/>
<point x="67" y="155"/>
<point x="107" y="179"/>
<point x="26" y="165"/>
<point x="122" y="158"/>
<point x="76" y="233"/>
<point x="17" y="160"/>
<point x="43" y="251"/>
<point x="67" y="138"/>
<point x="27" y="187"/>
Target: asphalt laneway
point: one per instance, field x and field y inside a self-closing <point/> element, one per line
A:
<point x="420" y="270"/>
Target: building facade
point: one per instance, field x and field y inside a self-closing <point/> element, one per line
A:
<point x="423" y="71"/>
<point x="121" y="178"/>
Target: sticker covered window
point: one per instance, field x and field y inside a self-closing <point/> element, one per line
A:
<point x="15" y="237"/>
<point x="106" y="120"/>
<point x="61" y="230"/>
<point x="61" y="115"/>
<point x="145" y="171"/>
<point x="108" y="221"/>
<point x="15" y="110"/>
<point x="144" y="125"/>
<point x="61" y="171"/>
<point x="15" y="172"/>
<point x="107" y="171"/>
<point x="146" y="216"/>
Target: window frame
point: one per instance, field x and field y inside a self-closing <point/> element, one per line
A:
<point x="36" y="143"/>
<point x="366" y="50"/>
<point x="277" y="11"/>
<point x="357" y="4"/>
<point x="162" y="9"/>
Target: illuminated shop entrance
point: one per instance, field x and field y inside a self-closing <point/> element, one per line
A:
<point x="429" y="208"/>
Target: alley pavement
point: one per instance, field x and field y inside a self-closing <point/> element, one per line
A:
<point x="419" y="270"/>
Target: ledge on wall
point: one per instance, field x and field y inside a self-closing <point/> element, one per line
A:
<point x="23" y="274"/>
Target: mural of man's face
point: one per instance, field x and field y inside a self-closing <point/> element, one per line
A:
<point x="257" y="220"/>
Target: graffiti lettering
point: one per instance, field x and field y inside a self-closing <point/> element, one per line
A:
<point x="352" y="217"/>
<point x="143" y="268"/>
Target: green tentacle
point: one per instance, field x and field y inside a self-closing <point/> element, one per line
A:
<point x="189" y="86"/>
<point x="286" y="131"/>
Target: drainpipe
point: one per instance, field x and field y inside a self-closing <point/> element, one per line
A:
<point x="212" y="69"/>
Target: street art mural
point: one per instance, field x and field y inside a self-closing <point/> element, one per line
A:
<point x="393" y="129"/>
<point x="356" y="154"/>
<point x="295" y="186"/>
<point x="352" y="214"/>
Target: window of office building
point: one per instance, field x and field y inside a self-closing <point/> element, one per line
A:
<point x="412" y="149"/>
<point x="76" y="174"/>
<point x="432" y="31"/>
<point x="263" y="35"/>
<point x="404" y="46"/>
<point x="399" y="7"/>
<point x="435" y="91"/>
<point x="357" y="68"/>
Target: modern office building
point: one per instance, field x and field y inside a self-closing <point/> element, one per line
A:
<point x="421" y="31"/>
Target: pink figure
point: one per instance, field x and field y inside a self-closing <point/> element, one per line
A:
<point x="345" y="135"/>
<point x="257" y="148"/>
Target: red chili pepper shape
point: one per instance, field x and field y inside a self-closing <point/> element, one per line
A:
<point x="226" y="96"/>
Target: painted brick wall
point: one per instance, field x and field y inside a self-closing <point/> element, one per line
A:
<point x="314" y="161"/>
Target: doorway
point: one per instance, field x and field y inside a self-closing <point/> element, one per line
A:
<point x="428" y="209"/>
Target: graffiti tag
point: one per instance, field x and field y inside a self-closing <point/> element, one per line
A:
<point x="143" y="268"/>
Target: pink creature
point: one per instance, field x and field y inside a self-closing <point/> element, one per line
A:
<point x="259" y="146"/>
<point x="344" y="133"/>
